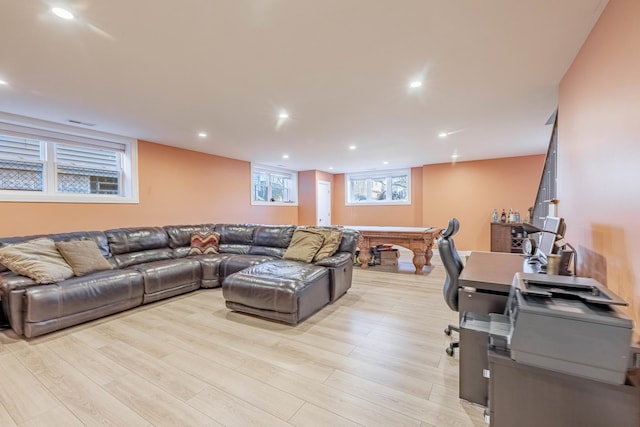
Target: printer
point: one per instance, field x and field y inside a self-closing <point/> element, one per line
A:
<point x="566" y="324"/>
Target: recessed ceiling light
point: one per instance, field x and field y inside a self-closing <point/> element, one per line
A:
<point x="285" y="156"/>
<point x="415" y="84"/>
<point x="283" y="115"/>
<point x="202" y="134"/>
<point x="454" y="156"/>
<point x="3" y="83"/>
<point x="443" y="134"/>
<point x="385" y="163"/>
<point x="62" y="13"/>
<point x="330" y="168"/>
<point x="352" y="147"/>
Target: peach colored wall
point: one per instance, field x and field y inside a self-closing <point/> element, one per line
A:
<point x="176" y="186"/>
<point x="307" y="189"/>
<point x="470" y="191"/>
<point x="401" y="215"/>
<point x="308" y="195"/>
<point x="598" y="148"/>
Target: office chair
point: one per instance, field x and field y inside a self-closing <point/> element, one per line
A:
<point x="453" y="265"/>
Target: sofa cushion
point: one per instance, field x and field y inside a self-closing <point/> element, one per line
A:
<point x="235" y="238"/>
<point x="180" y="235"/>
<point x="97" y="236"/>
<point x="37" y="259"/>
<point x="205" y="243"/>
<point x="305" y="244"/>
<point x="232" y="263"/>
<point x="125" y="240"/>
<point x="169" y="277"/>
<point x="79" y="299"/>
<point x="134" y="258"/>
<point x="83" y="256"/>
<point x="210" y="269"/>
<point x="271" y="240"/>
<point x="349" y="241"/>
<point x="332" y="238"/>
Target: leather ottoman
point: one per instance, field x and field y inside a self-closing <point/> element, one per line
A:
<point x="282" y="290"/>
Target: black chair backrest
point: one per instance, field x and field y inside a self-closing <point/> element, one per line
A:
<point x="452" y="263"/>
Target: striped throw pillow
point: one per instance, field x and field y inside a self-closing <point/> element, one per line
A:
<point x="205" y="243"/>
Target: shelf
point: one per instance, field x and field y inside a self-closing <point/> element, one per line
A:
<point x="507" y="237"/>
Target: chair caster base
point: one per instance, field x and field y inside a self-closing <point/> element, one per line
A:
<point x="447" y="331"/>
<point x="451" y="349"/>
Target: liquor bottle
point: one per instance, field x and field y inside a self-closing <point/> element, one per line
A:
<point x="503" y="216"/>
<point x="494" y="216"/>
<point x="512" y="217"/>
<point x="517" y="215"/>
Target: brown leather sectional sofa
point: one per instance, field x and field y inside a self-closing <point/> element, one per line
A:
<point x="152" y="263"/>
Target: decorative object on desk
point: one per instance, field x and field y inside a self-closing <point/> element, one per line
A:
<point x="553" y="264"/>
<point x="494" y="216"/>
<point x="529" y="246"/>
<point x="453" y="266"/>
<point x="565" y="260"/>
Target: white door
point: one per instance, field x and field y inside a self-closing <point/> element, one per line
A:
<point x="323" y="207"/>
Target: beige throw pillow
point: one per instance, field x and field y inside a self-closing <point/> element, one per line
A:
<point x="332" y="239"/>
<point x="83" y="256"/>
<point x="38" y="259"/>
<point x="304" y="245"/>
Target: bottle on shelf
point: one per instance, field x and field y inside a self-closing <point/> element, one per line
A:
<point x="517" y="216"/>
<point x="494" y="216"/>
<point x="503" y="216"/>
<point x="512" y="217"/>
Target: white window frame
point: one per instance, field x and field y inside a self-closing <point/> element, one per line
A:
<point x="369" y="177"/>
<point x="258" y="168"/>
<point x="52" y="133"/>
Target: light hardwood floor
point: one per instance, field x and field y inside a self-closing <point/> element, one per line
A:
<point x="374" y="358"/>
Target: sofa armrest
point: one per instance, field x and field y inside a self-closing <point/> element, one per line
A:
<point x="12" y="289"/>
<point x="340" y="266"/>
<point x="336" y="260"/>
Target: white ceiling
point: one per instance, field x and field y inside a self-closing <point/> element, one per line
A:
<point x="162" y="71"/>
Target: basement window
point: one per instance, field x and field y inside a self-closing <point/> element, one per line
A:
<point x="273" y="186"/>
<point x="392" y="187"/>
<point x="46" y="162"/>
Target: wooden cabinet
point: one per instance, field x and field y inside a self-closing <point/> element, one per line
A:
<point x="507" y="237"/>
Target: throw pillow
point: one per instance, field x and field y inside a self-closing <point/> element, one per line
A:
<point x="332" y="239"/>
<point x="37" y="259"/>
<point x="83" y="256"/>
<point x="304" y="245"/>
<point x="205" y="242"/>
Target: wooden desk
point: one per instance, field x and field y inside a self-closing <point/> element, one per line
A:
<point x="418" y="239"/>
